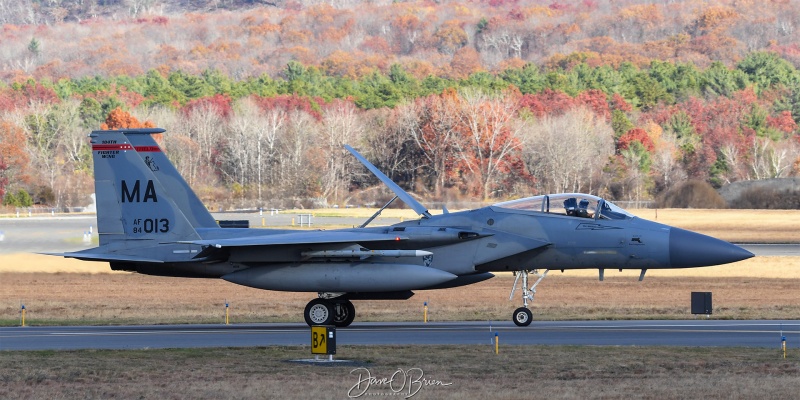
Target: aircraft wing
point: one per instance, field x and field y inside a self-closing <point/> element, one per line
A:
<point x="301" y="237"/>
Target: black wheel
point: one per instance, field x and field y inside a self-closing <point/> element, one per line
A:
<point x="522" y="316"/>
<point x="318" y="312"/>
<point x="344" y="313"/>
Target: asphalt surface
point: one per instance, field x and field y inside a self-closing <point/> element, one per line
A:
<point x="700" y="332"/>
<point x="45" y="233"/>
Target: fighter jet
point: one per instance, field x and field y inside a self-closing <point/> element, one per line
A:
<point x="151" y="222"/>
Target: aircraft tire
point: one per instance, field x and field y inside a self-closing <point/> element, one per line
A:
<point x="522" y="316"/>
<point x="318" y="312"/>
<point x="344" y="314"/>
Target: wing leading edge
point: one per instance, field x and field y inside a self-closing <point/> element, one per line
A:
<point x="301" y="237"/>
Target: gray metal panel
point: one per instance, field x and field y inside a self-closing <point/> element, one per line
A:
<point x="99" y="256"/>
<point x="131" y="197"/>
<point x="177" y="188"/>
<point x="109" y="213"/>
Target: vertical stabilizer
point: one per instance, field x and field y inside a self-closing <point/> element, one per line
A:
<point x="132" y="204"/>
<point x="177" y="189"/>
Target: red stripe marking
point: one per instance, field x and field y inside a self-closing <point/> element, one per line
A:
<point x="148" y="149"/>
<point x="106" y="147"/>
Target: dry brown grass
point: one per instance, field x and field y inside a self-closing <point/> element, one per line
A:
<point x="764" y="287"/>
<point x="741" y="226"/>
<point x="474" y="371"/>
<point x="29" y="262"/>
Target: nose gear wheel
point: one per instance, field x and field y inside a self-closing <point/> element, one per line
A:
<point x="523" y="316"/>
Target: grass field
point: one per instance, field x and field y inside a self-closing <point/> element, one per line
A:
<point x="473" y="372"/>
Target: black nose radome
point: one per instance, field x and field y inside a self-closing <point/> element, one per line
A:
<point x="689" y="249"/>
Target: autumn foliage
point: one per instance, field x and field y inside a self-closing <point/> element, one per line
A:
<point x="355" y="39"/>
<point x="455" y="100"/>
<point x="119" y="119"/>
<point x="636" y="135"/>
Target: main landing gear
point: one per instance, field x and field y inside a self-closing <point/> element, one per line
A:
<point x="523" y="316"/>
<point x="337" y="312"/>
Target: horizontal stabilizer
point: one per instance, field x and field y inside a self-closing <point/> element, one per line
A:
<point x="104" y="257"/>
<point x="301" y="237"/>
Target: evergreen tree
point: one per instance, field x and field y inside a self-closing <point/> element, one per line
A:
<point x="91" y="113"/>
<point x="24" y="199"/>
<point x="527" y="79"/>
<point x="34" y="47"/>
<point x="620" y="123"/>
<point x="10" y="199"/>
<point x="767" y="70"/>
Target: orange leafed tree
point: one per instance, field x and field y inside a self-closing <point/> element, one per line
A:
<point x="13" y="158"/>
<point x="118" y="119"/>
<point x="466" y="61"/>
<point x="12" y="145"/>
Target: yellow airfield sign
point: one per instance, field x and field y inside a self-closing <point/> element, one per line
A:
<point x="323" y="339"/>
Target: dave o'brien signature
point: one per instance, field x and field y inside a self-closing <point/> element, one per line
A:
<point x="409" y="382"/>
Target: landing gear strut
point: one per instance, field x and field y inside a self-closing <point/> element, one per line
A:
<point x="523" y="316"/>
<point x="338" y="312"/>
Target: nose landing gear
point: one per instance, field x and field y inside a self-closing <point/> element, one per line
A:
<point x="523" y="316"/>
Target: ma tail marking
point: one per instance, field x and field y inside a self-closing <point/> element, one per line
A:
<point x="132" y="195"/>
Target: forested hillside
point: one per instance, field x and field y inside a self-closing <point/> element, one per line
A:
<point x="476" y="100"/>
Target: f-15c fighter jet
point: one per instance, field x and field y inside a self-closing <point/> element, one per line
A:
<point x="151" y="222"/>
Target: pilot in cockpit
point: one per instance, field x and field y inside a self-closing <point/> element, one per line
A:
<point x="575" y="208"/>
<point x="571" y="206"/>
<point x="583" y="209"/>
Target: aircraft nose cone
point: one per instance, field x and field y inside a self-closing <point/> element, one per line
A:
<point x="689" y="249"/>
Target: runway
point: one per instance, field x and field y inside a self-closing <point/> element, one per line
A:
<point x="701" y="332"/>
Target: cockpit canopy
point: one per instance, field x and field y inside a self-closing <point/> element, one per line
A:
<point x="571" y="204"/>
